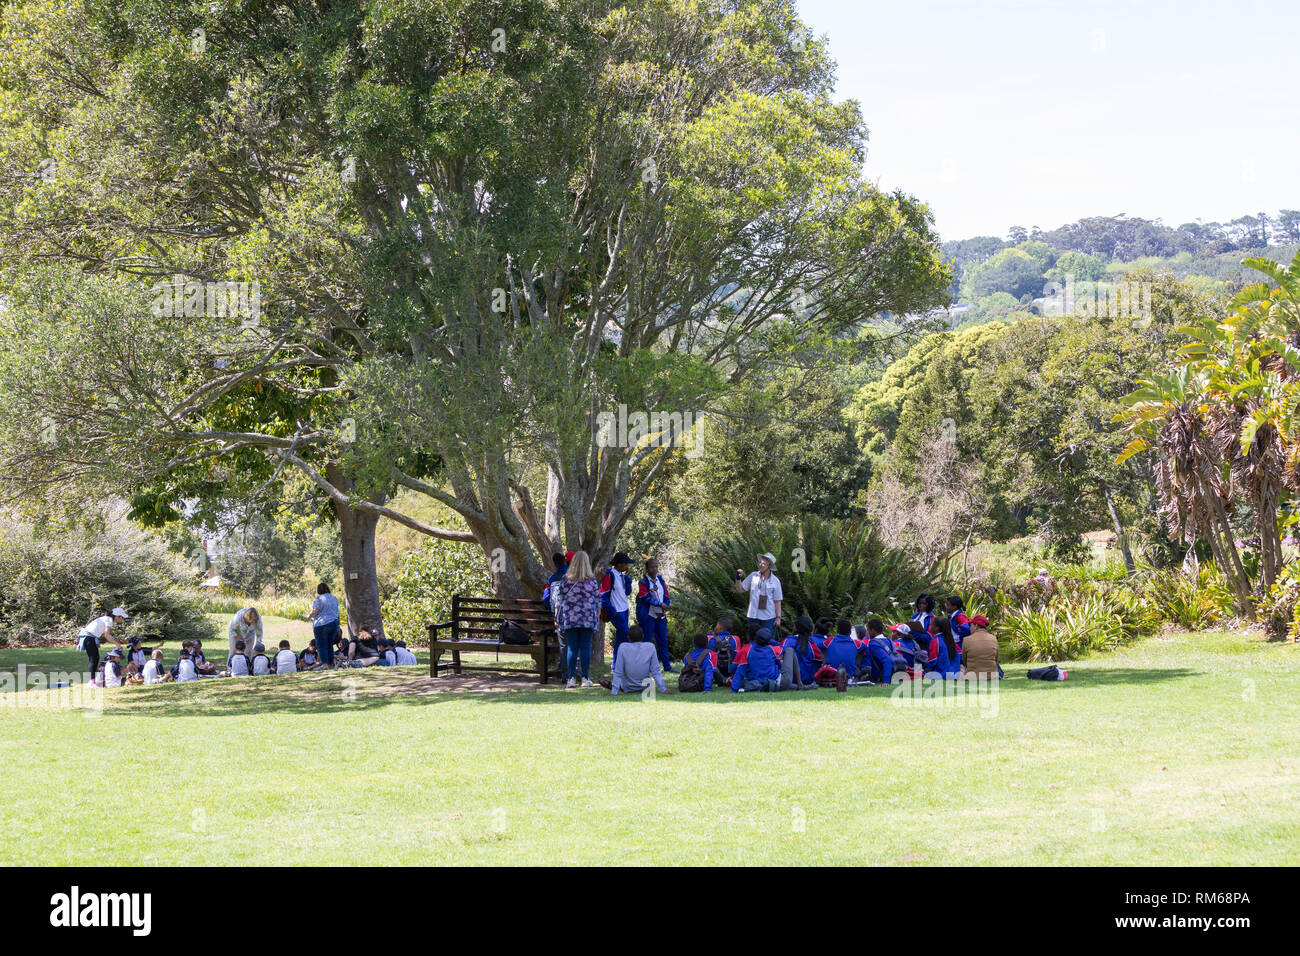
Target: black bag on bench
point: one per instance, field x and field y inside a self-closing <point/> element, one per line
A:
<point x="511" y="633"/>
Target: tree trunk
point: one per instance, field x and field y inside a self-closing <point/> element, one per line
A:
<point x="360" y="574"/>
<point x="1120" y="535"/>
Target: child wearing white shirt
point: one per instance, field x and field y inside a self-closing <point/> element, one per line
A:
<point x="286" y="661"/>
<point x="261" y="663"/>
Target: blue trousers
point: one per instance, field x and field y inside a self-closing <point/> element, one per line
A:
<point x="577" y="645"/>
<point x="325" y="634"/>
<point x="656" y="632"/>
<point x="618" y="620"/>
<point x="762" y="622"/>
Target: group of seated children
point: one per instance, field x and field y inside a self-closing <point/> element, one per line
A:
<point x="145" y="665"/>
<point x="838" y="654"/>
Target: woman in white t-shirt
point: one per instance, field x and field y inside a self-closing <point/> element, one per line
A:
<point x="765" y="593"/>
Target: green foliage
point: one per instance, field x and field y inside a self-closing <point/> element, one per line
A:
<point x="1063" y="632"/>
<point x="54" y="583"/>
<point x="849" y="572"/>
<point x="426" y="581"/>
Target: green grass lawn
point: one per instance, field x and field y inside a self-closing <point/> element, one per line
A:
<point x="1179" y="750"/>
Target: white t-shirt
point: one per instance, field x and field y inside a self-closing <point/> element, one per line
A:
<point x="758" y="587"/>
<point x="186" y="671"/>
<point x="98" y="626"/>
<point x="153" y="672"/>
<point x="405" y="657"/>
<point x="286" y="662"/>
<point x="618" y="582"/>
<point x="112" y="675"/>
<point x="391" y="658"/>
<point x="239" y="665"/>
<point x="261" y="665"/>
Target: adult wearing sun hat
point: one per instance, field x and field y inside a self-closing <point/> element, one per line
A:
<point x="765" y="594"/>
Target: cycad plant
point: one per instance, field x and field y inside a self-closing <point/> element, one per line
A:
<point x="826" y="567"/>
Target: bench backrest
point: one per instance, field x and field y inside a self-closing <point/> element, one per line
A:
<point x="482" y="616"/>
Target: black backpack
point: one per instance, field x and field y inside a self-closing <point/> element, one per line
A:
<point x="724" y="655"/>
<point x="511" y="633"/>
<point x="691" y="679"/>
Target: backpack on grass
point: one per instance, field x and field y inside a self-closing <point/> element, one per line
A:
<point x="691" y="679"/>
<point x="724" y="656"/>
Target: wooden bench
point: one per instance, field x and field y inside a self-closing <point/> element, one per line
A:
<point x="474" y="626"/>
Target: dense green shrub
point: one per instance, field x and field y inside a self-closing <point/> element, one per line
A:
<point x="51" y="586"/>
<point x="426" y="580"/>
<point x="846" y="571"/>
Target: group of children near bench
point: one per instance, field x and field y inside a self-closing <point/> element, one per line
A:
<point x="144" y="665"/>
<point x="838" y="654"/>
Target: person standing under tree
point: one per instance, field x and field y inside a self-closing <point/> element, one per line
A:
<point x="324" y="617"/>
<point x="93" y="634"/>
<point x="652" y="601"/>
<point x="579" y="614"/>
<point x="615" y="598"/>
<point x="765" y="593"/>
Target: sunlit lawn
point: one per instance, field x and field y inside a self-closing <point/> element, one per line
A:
<point x="1179" y="750"/>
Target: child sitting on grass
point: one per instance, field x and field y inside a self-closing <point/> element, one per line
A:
<point x="185" y="668"/>
<point x="725" y="647"/>
<point x="404" y="657"/>
<point x="202" y="666"/>
<point x="759" y="671"/>
<point x="799" y="673"/>
<point x="153" y="670"/>
<point x="840" y="654"/>
<point x="876" y="657"/>
<point x="699" y="656"/>
<point x="237" y="664"/>
<point x="309" y="659"/>
<point x="261" y="663"/>
<point x="286" y="661"/>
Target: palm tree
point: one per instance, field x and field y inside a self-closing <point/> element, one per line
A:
<point x="1174" y="416"/>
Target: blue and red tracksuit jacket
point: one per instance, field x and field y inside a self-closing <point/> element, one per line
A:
<point x="645" y="600"/>
<point x="809" y="661"/>
<point x="841" y="651"/>
<point x="709" y="664"/>
<point x="960" y="627"/>
<point x="728" y="639"/>
<point x="880" y="657"/>
<point x="606" y="589"/>
<point x="910" y="651"/>
<point x="925" y="620"/>
<point x="760" y="664"/>
<point x="940" y="661"/>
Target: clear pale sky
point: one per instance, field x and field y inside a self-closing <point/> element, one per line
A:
<point x="1040" y="112"/>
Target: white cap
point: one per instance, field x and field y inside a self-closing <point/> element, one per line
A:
<point x="120" y="612"/>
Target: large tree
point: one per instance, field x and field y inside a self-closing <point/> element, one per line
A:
<point x="475" y="227"/>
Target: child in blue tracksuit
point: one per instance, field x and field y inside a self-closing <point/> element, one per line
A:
<point x="908" y="644"/>
<point x="652" y="602"/>
<point x="925" y="612"/>
<point x="957" y="619"/>
<point x="720" y="638"/>
<point x="760" y="670"/>
<point x="839" y="651"/>
<point x="805" y="650"/>
<point x="945" y="657"/>
<point x="878" y="653"/>
<point x="615" y="598"/>
<point x="705" y="657"/>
